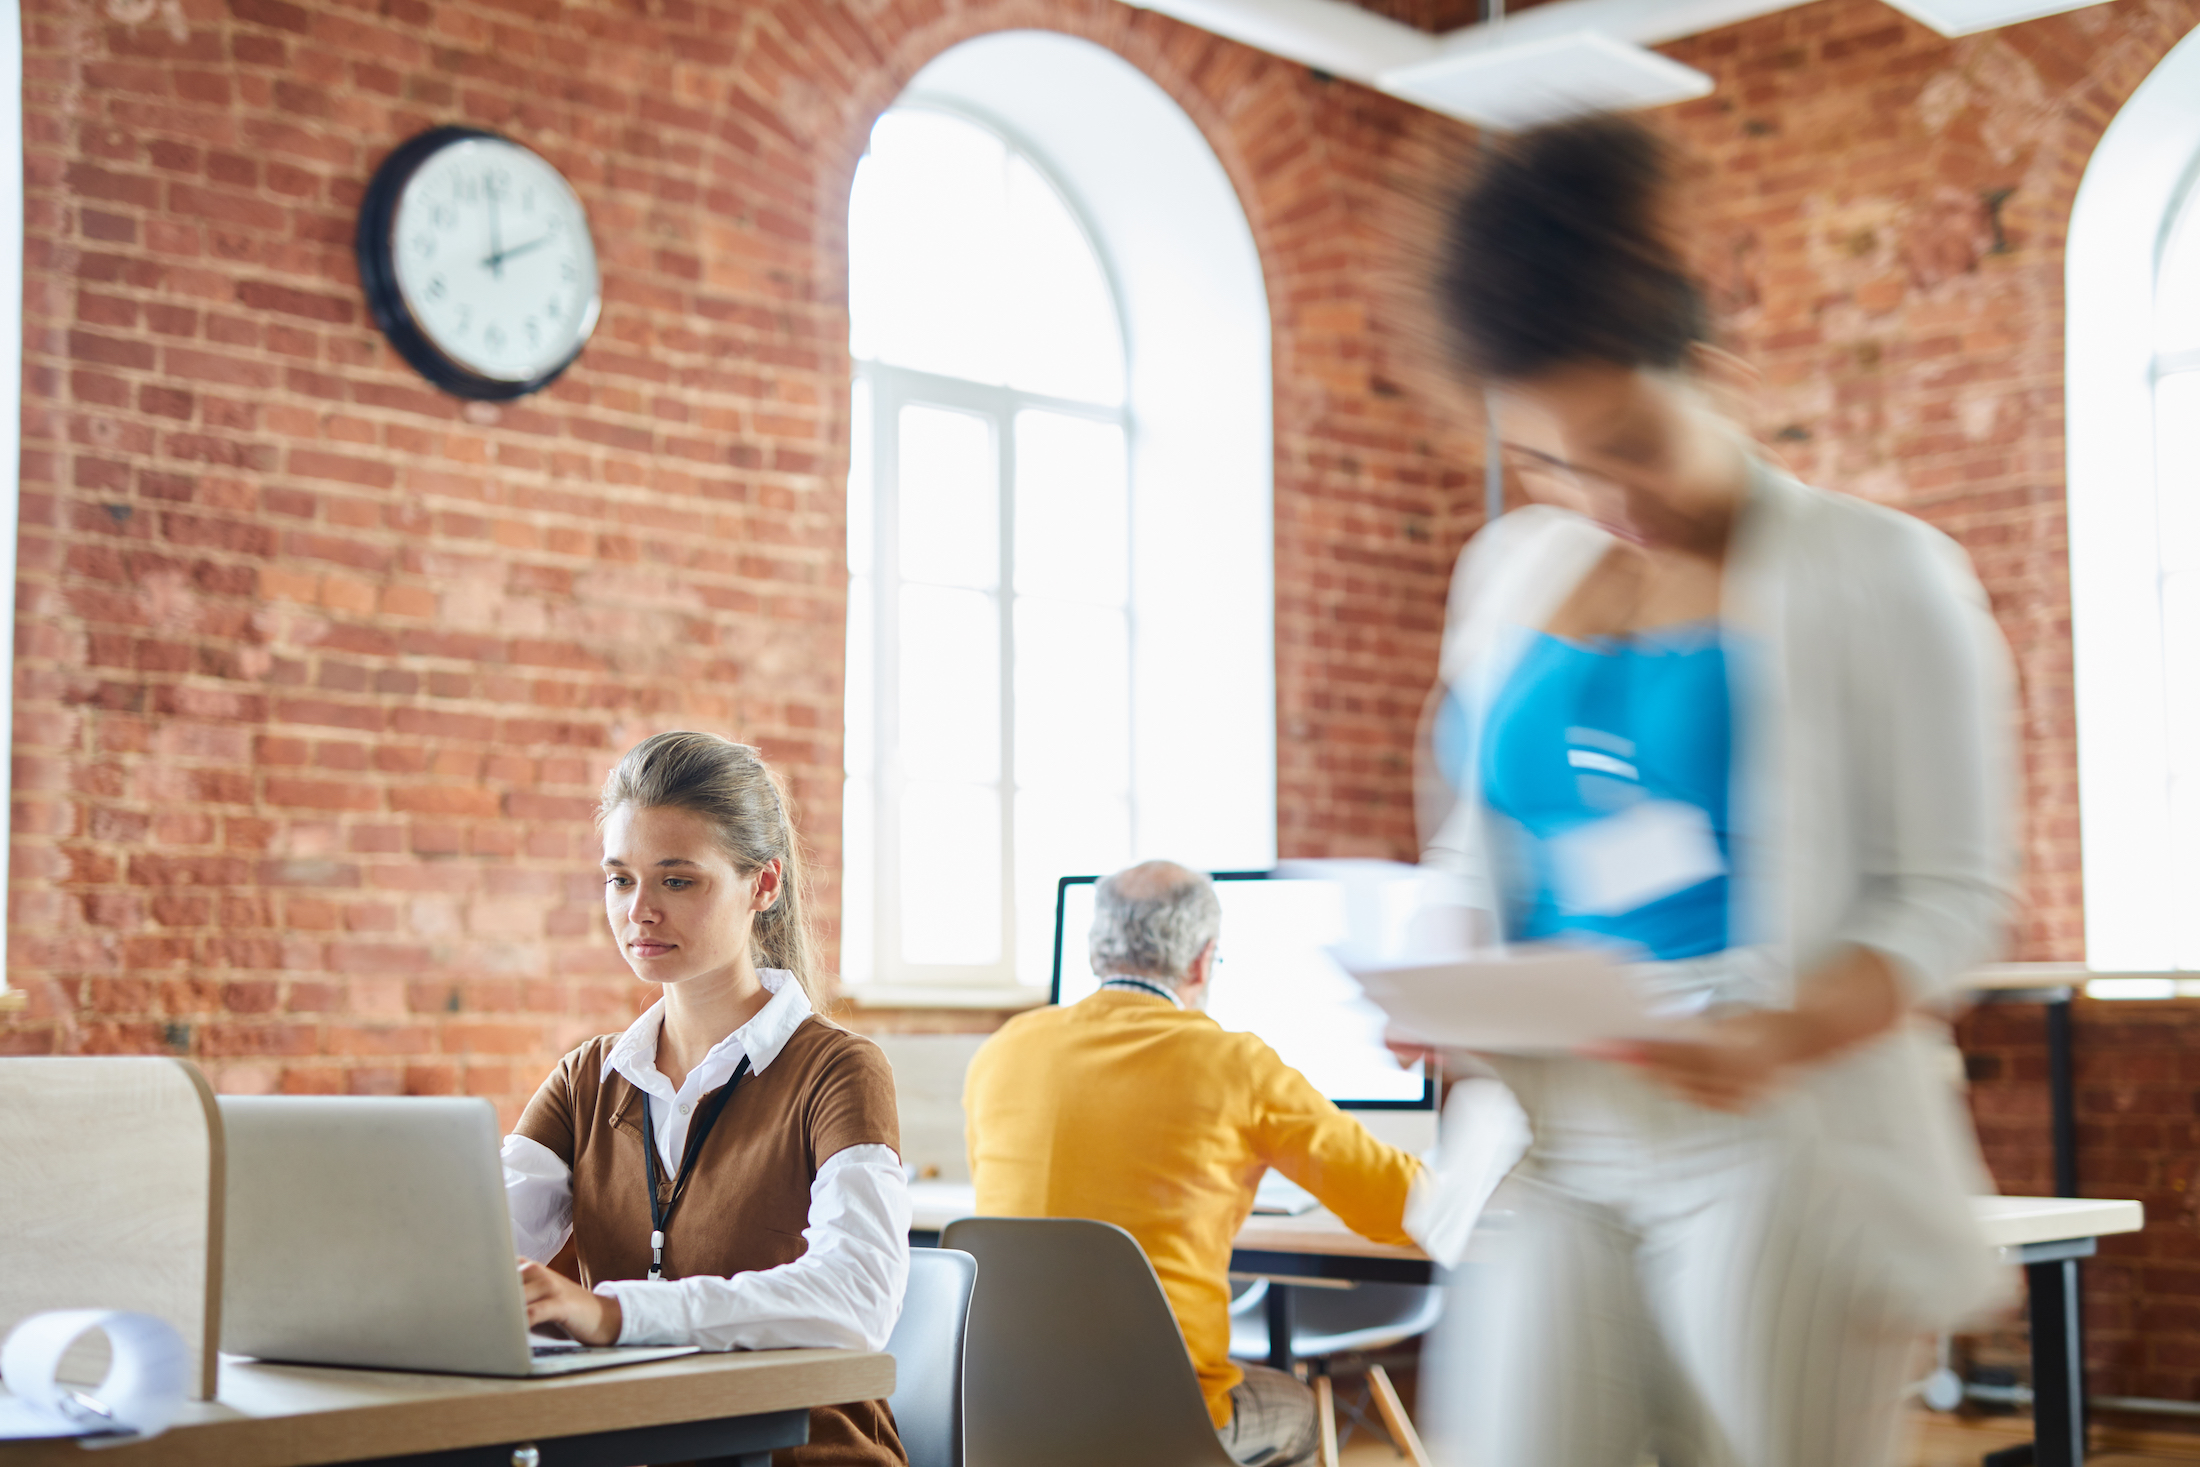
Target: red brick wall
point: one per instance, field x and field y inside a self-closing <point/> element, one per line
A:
<point x="1883" y="213"/>
<point x="2137" y="1067"/>
<point x="318" y="670"/>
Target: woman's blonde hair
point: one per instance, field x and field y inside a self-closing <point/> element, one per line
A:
<point x="731" y="786"/>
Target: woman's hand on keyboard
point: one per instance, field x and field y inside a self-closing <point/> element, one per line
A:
<point x="552" y="1298"/>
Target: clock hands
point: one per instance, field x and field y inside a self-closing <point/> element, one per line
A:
<point x="496" y="261"/>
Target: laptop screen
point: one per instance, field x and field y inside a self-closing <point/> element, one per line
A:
<point x="1275" y="980"/>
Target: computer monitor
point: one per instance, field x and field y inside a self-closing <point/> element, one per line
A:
<point x="1275" y="980"/>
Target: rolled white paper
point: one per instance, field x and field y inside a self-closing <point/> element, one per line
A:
<point x="148" y="1375"/>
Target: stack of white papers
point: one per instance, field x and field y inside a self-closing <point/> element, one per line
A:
<point x="1521" y="1001"/>
<point x="142" y="1393"/>
<point x="1409" y="951"/>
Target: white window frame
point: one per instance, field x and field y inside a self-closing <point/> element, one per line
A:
<point x="2129" y="200"/>
<point x="891" y="389"/>
<point x="1177" y="249"/>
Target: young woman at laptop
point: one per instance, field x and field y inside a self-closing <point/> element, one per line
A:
<point x="727" y="1168"/>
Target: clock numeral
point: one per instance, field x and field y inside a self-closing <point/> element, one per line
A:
<point x="569" y="271"/>
<point x="437" y="289"/>
<point x="493" y="338"/>
<point x="465" y="319"/>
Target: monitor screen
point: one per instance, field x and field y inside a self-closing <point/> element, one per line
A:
<point x="1276" y="980"/>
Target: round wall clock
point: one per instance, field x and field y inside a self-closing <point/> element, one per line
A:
<point x="477" y="264"/>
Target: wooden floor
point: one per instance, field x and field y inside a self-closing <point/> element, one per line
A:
<point x="1937" y="1442"/>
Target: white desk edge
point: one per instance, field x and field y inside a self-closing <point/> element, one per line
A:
<point x="2006" y="1222"/>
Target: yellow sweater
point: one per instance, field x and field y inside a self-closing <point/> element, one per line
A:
<point x="1127" y="1109"/>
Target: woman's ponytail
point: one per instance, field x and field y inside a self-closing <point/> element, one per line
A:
<point x="782" y="933"/>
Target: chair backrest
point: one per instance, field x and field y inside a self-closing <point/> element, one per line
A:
<point x="1075" y="1359"/>
<point x="1338" y="1321"/>
<point x="928" y="1348"/>
<point x="112" y="1194"/>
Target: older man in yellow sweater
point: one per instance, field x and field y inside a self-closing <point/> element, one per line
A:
<point x="1136" y="1108"/>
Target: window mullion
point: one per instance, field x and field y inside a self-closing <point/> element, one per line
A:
<point x="886" y="774"/>
<point x="1004" y="432"/>
<point x="1132" y="806"/>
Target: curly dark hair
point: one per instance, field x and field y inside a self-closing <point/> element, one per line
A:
<point x="1556" y="254"/>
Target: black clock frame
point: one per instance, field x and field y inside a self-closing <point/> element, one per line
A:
<point x="376" y="248"/>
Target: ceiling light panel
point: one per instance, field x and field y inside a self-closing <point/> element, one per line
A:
<point x="1962" y="17"/>
<point x="1510" y="87"/>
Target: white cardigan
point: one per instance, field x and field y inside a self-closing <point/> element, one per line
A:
<point x="1872" y="771"/>
<point x="1870" y="804"/>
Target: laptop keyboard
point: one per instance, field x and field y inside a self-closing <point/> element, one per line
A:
<point x="542" y="1350"/>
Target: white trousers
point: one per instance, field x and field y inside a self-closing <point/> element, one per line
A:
<point x="1660" y="1281"/>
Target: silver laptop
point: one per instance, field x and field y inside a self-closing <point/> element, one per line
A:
<point x="373" y="1231"/>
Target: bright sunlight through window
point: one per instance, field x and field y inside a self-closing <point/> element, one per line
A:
<point x="2177" y="487"/>
<point x="990" y="634"/>
<point x="2132" y="398"/>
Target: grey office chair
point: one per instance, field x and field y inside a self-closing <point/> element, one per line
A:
<point x="928" y="1348"/>
<point x="1333" y="1322"/>
<point x="1075" y="1359"/>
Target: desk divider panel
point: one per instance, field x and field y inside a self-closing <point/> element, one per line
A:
<point x="113" y="1196"/>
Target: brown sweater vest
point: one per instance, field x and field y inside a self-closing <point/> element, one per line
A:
<point x="749" y="1197"/>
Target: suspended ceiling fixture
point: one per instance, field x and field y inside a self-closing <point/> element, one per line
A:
<point x="1521" y="83"/>
<point x="1963" y="17"/>
<point x="1556" y="60"/>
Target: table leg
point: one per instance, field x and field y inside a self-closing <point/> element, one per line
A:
<point x="1281" y="1307"/>
<point x="2058" y="1364"/>
<point x="2062" y="1097"/>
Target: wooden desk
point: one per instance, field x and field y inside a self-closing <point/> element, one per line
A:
<point x="737" y="1406"/>
<point x="2046" y="1236"/>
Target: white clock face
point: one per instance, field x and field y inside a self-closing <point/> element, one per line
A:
<point x="493" y="257"/>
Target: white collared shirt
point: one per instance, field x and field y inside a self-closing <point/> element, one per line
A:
<point x="845" y="1290"/>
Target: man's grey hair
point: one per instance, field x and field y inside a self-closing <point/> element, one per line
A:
<point x="1152" y="920"/>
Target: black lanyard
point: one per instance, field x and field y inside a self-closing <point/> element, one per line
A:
<point x="661" y="1212"/>
<point x="1153" y="988"/>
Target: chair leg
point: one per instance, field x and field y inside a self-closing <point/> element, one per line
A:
<point x="1325" y="1406"/>
<point x="1394" y="1416"/>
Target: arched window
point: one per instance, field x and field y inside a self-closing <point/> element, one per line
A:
<point x="2177" y="485"/>
<point x="2133" y="314"/>
<point x="1031" y="613"/>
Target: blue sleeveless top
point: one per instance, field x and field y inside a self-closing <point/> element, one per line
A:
<point x="1633" y="732"/>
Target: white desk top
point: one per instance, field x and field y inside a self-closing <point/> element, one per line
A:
<point x="2006" y="1222"/>
<point x="292" y="1415"/>
<point x="933" y="1205"/>
<point x="2011" y="1221"/>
